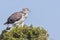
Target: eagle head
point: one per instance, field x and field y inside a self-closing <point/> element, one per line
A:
<point x="25" y="10"/>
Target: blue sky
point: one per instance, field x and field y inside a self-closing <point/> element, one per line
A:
<point x="45" y="13"/>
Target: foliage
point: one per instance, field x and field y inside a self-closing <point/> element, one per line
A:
<point x="25" y="33"/>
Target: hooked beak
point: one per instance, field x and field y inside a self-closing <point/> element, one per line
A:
<point x="30" y="11"/>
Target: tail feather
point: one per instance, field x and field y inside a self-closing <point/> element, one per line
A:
<point x="6" y="23"/>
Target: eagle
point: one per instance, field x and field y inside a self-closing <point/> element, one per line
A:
<point x="17" y="18"/>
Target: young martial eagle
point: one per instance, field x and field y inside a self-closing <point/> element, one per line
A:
<point x="18" y="17"/>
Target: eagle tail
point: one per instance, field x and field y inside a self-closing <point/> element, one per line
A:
<point x="5" y="23"/>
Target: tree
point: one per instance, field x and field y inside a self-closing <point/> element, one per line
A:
<point x="25" y="33"/>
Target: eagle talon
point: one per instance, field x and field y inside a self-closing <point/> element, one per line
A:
<point x="8" y="28"/>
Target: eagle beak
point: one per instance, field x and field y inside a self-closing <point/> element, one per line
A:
<point x="30" y="11"/>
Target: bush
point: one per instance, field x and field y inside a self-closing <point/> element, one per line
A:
<point x="25" y="33"/>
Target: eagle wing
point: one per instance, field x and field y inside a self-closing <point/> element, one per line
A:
<point x="14" y="17"/>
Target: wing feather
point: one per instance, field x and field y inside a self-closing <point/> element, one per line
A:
<point x="14" y="17"/>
